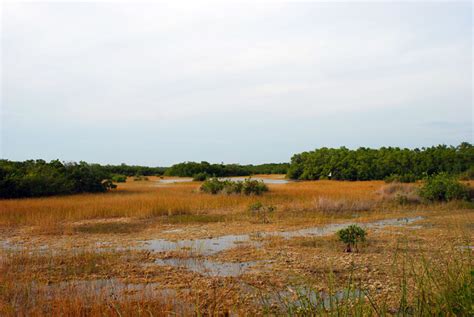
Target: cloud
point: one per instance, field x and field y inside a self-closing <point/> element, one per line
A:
<point x="84" y="67"/>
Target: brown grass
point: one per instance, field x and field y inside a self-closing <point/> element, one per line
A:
<point x="146" y="200"/>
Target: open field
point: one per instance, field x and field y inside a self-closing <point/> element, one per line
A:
<point x="161" y="248"/>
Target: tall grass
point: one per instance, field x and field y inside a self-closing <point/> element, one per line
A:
<point x="145" y="200"/>
<point x="426" y="288"/>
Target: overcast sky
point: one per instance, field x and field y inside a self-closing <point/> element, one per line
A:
<point x="157" y="84"/>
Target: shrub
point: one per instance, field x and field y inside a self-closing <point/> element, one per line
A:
<point x="262" y="211"/>
<point x="251" y="186"/>
<point x="212" y="186"/>
<point x="351" y="236"/>
<point x="139" y="178"/>
<point x="467" y="175"/>
<point x="247" y="187"/>
<point x="405" y="178"/>
<point x="199" y="177"/>
<point x="444" y="187"/>
<point x="117" y="178"/>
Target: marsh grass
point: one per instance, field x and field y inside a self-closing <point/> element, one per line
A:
<point x="110" y="227"/>
<point x="426" y="288"/>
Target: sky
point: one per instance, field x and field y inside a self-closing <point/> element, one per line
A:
<point x="235" y="82"/>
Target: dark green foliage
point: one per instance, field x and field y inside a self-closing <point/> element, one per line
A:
<point x="467" y="175"/>
<point x="372" y="164"/>
<point x="132" y="170"/>
<point x="444" y="187"/>
<point x="200" y="177"/>
<point x="407" y="178"/>
<point x="140" y="178"/>
<point x="351" y="236"/>
<point x="39" y="178"/>
<point x="189" y="169"/>
<point x="247" y="187"/>
<point x="117" y="178"/>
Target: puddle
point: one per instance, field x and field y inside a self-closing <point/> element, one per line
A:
<point x="208" y="246"/>
<point x="207" y="267"/>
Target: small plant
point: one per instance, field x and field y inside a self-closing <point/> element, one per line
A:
<point x="351" y="236"/>
<point x="117" y="178"/>
<point x="405" y="178"/>
<point x="261" y="211"/>
<point x="444" y="187"/>
<point x="200" y="177"/>
<point x="139" y="178"/>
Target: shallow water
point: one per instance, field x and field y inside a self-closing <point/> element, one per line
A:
<point x="207" y="267"/>
<point x="175" y="180"/>
<point x="211" y="246"/>
<point x="265" y="180"/>
<point x="207" y="246"/>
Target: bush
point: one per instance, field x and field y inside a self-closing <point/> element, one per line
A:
<point x="444" y="187"/>
<point x="247" y="187"/>
<point x="200" y="177"/>
<point x="467" y="175"/>
<point x="117" y="178"/>
<point x="351" y="236"/>
<point x="139" y="178"/>
<point x="261" y="211"/>
<point x="212" y="186"/>
<point x="405" y="178"/>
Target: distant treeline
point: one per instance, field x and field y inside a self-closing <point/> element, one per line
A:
<point x="384" y="163"/>
<point x="133" y="170"/>
<point x="190" y="169"/>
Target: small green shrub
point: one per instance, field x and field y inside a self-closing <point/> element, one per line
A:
<point x="261" y="211"/>
<point x="467" y="175"/>
<point x="405" y="178"/>
<point x="200" y="177"/>
<point x="250" y="186"/>
<point x="212" y="186"/>
<point x="351" y="236"/>
<point x="139" y="178"/>
<point x="444" y="187"/>
<point x="117" y="178"/>
<point x="247" y="187"/>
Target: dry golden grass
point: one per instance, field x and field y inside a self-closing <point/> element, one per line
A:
<point x="149" y="199"/>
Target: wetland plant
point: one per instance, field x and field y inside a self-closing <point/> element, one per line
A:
<point x="444" y="187"/>
<point x="261" y="211"/>
<point x="351" y="236"/>
<point x="200" y="177"/>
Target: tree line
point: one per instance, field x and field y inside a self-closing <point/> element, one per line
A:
<point x="190" y="169"/>
<point x="384" y="163"/>
<point x="35" y="178"/>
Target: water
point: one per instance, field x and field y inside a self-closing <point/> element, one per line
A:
<point x="175" y="180"/>
<point x="207" y="246"/>
<point x="207" y="267"/>
<point x="277" y="181"/>
<point x="211" y="246"/>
